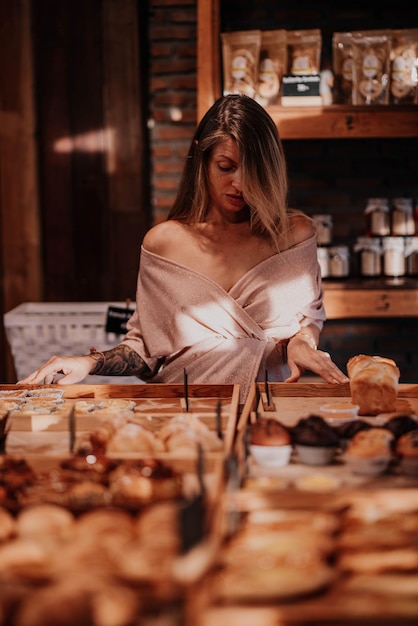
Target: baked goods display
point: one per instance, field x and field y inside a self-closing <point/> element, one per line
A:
<point x="180" y="434"/>
<point x="103" y="526"/>
<point x="107" y="564"/>
<point x="276" y="556"/>
<point x="373" y="383"/>
<point x="81" y="483"/>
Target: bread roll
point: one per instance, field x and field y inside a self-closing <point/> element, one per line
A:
<point x="373" y="383"/>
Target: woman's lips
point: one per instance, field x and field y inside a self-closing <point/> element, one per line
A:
<point x="236" y="199"/>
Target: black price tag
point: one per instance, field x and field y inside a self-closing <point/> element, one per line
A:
<point x="117" y="318"/>
<point x="300" y="85"/>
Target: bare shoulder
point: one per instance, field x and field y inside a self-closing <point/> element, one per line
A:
<point x="162" y="235"/>
<point x="300" y="228"/>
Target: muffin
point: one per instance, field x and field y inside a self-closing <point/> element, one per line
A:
<point x="407" y="452"/>
<point x="316" y="442"/>
<point x="270" y="442"/>
<point x="347" y="431"/>
<point x="401" y="424"/>
<point x="370" y="451"/>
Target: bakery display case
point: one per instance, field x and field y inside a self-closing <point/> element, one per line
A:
<point x="102" y="511"/>
<point x="315" y="541"/>
<point x="201" y="532"/>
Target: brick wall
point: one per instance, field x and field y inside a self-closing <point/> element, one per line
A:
<point x="326" y="176"/>
<point x="172" y="36"/>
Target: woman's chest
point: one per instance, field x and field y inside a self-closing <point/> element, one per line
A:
<point x="228" y="263"/>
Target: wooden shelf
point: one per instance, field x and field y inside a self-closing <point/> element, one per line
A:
<point x="302" y="122"/>
<point x="345" y="122"/>
<point x="371" y="299"/>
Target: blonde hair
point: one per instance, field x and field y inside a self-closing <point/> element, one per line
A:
<point x="262" y="160"/>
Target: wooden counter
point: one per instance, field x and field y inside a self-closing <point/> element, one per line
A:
<point x="340" y="602"/>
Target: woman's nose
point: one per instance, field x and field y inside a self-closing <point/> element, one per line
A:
<point x="236" y="180"/>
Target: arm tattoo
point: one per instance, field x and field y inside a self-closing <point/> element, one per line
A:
<point x="120" y="361"/>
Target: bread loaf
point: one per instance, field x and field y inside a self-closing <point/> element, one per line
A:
<point x="373" y="383"/>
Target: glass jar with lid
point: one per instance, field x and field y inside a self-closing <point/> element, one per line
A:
<point x="403" y="221"/>
<point x="411" y="256"/>
<point x="378" y="217"/>
<point x="339" y="261"/>
<point x="393" y="256"/>
<point x="323" y="227"/>
<point x="369" y="250"/>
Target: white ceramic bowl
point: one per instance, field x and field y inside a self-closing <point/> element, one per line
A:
<point x="316" y="455"/>
<point x="271" y="456"/>
<point x="370" y="466"/>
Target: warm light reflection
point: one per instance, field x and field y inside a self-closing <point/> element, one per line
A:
<point x="103" y="140"/>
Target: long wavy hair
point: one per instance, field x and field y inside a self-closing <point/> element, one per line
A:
<point x="262" y="160"/>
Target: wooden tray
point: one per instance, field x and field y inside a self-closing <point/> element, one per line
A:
<point x="48" y="433"/>
<point x="290" y="402"/>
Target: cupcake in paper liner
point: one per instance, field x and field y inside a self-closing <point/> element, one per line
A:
<point x="270" y="442"/>
<point x="407" y="452"/>
<point x="370" y="451"/>
<point x="316" y="442"/>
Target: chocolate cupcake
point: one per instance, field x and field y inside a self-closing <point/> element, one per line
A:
<point x="401" y="424"/>
<point x="316" y="442"/>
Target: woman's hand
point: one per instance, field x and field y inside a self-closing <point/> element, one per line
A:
<point x="302" y="356"/>
<point x="63" y="370"/>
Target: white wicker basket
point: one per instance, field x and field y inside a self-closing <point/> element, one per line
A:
<point x="38" y="330"/>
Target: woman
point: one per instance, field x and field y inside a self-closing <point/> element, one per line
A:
<point x="229" y="286"/>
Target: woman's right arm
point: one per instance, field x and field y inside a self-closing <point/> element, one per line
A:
<point x="119" y="361"/>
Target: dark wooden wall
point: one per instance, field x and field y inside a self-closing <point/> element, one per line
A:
<point x="74" y="166"/>
<point x="94" y="201"/>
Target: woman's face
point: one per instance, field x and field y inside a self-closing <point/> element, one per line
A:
<point x="224" y="174"/>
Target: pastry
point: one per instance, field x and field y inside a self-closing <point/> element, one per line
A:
<point x="370" y="451"/>
<point x="401" y="424"/>
<point x="270" y="442"/>
<point x="349" y="429"/>
<point x="7" y="525"/>
<point x="407" y="452"/>
<point x="137" y="482"/>
<point x="316" y="442"/>
<point x="373" y="383"/>
<point x="45" y="522"/>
